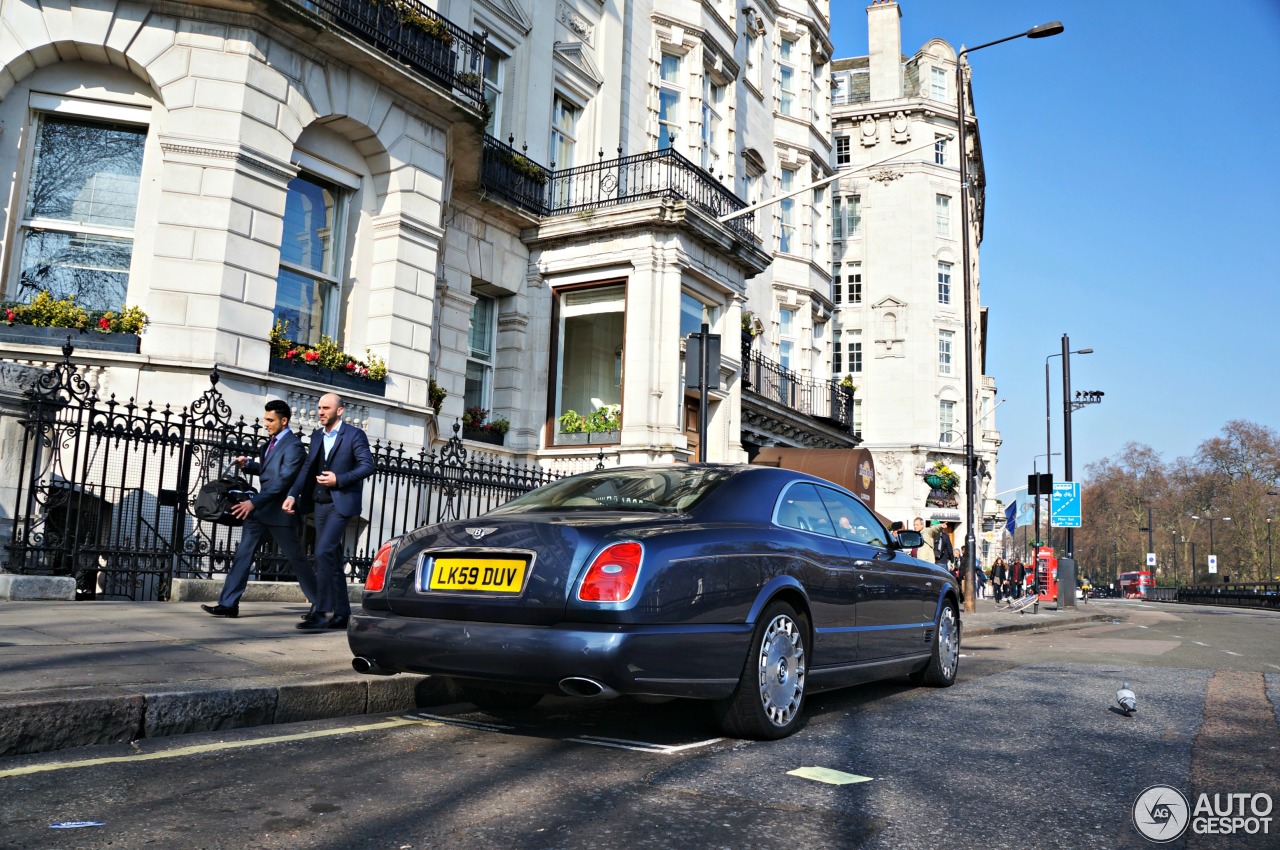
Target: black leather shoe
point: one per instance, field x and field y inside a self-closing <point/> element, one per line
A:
<point x="338" y="622"/>
<point x="316" y="624"/>
<point x="222" y="610"/>
<point x="310" y="615"/>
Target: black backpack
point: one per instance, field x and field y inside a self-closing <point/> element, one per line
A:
<point x="215" y="499"/>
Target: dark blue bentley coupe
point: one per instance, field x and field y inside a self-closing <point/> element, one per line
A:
<point x="748" y="586"/>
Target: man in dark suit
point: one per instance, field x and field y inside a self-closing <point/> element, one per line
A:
<point x="262" y="513"/>
<point x="334" y="474"/>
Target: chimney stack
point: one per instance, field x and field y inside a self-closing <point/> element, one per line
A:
<point x="884" y="40"/>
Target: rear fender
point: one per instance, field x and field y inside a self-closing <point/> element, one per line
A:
<point x="778" y="586"/>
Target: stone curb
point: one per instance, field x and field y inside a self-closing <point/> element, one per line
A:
<point x="1031" y="622"/>
<point x="209" y="589"/>
<point x="43" y="721"/>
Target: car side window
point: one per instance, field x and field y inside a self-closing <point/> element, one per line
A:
<point x="801" y="507"/>
<point x="853" y="521"/>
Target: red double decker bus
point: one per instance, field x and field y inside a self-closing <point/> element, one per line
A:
<point x="1136" y="585"/>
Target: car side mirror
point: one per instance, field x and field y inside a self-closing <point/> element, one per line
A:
<point x="909" y="540"/>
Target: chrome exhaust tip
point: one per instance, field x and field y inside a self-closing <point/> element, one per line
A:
<point x="369" y="667"/>
<point x="581" y="686"/>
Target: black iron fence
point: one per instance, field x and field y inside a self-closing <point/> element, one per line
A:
<point x="107" y="489"/>
<point x="830" y="400"/>
<point x="609" y="182"/>
<point x="410" y="32"/>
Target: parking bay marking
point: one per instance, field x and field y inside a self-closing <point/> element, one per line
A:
<point x="593" y="740"/>
<point x="178" y="752"/>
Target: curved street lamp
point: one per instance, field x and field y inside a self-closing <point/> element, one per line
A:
<point x="970" y="464"/>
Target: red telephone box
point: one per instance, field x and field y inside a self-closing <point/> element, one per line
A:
<point x="1047" y="574"/>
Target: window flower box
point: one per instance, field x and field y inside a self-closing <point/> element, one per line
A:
<point x="57" y="337"/>
<point x="480" y="435"/>
<point x="329" y="377"/>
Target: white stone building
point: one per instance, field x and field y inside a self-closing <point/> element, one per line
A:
<point x="898" y="281"/>
<point x="341" y="166"/>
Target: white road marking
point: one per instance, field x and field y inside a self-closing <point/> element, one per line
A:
<point x="1269" y="664"/>
<point x="179" y="752"/>
<point x="1199" y="643"/>
<point x="1229" y="652"/>
<point x="469" y="724"/>
<point x="641" y="746"/>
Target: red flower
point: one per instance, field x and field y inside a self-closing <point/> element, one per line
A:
<point x="311" y="356"/>
<point x="350" y="366"/>
<point x="104" y="323"/>
<point x="9" y="315"/>
<point x="290" y="354"/>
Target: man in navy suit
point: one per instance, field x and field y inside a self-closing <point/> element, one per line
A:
<point x="334" y="474"/>
<point x="262" y="513"/>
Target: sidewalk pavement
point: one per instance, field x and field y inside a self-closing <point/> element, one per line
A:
<point x="81" y="673"/>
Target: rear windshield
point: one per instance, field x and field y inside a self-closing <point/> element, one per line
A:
<point x="666" y="490"/>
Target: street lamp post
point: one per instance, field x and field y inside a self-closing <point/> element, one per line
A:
<point x="970" y="461"/>
<point x="1067" y="564"/>
<point x="1048" y="430"/>
<point x="1270" y="573"/>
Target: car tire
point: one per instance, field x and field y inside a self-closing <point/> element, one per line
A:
<point x="769" y="698"/>
<point x="492" y="699"/>
<point x="940" y="672"/>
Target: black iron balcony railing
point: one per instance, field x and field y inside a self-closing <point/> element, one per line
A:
<point x="828" y="400"/>
<point x="409" y="32"/>
<point x="510" y="174"/>
<point x="607" y="183"/>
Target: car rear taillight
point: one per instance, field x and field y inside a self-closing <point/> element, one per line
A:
<point x="612" y="575"/>
<point x="378" y="569"/>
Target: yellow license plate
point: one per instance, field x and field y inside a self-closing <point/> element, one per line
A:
<point x="493" y="575"/>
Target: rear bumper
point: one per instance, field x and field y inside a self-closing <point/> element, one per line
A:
<point x="698" y="661"/>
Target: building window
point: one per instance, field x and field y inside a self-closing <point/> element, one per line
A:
<point x="479" y="386"/>
<point x="946" y="421"/>
<point x="308" y="286"/>
<point x="76" y="232"/>
<point x="787" y="211"/>
<point x="564" y="133"/>
<point x="842" y="150"/>
<point x="815" y="90"/>
<point x="693" y="313"/>
<point x="669" y="95"/>
<point x="493" y="66"/>
<point x="944" y="283"/>
<point x="942" y="215"/>
<point x="857" y="417"/>
<point x="854" y="281"/>
<point x="787" y="75"/>
<point x="837" y="285"/>
<point x="938" y="81"/>
<point x="589" y="355"/>
<point x="786" y="337"/>
<point x="751" y="187"/>
<point x="564" y="141"/>
<point x="837" y="353"/>
<point x="853" y="345"/>
<point x="755" y="58"/>
<point x="846" y="217"/>
<point x="945" y="342"/>
<point x="712" y="109"/>
<point x="940" y="150"/>
<point x="815" y="221"/>
<point x="840" y="89"/>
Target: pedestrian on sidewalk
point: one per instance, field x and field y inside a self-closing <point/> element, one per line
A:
<point x="276" y="468"/>
<point x="999" y="572"/>
<point x="925" y="552"/>
<point x="333" y="478"/>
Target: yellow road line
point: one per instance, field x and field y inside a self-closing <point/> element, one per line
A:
<point x="209" y="748"/>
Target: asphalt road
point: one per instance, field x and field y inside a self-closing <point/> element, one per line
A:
<point x="1024" y="751"/>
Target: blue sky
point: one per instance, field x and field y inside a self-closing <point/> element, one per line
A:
<point x="1132" y="185"/>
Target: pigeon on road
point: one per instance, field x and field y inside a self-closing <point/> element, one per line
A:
<point x="1127" y="699"/>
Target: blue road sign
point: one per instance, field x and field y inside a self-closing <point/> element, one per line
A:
<point x="1064" y="505"/>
